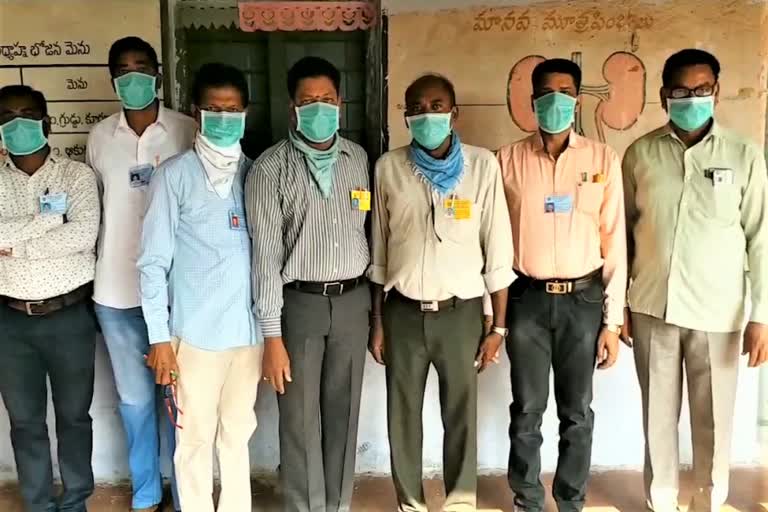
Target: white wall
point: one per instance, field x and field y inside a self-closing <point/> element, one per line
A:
<point x="618" y="431"/>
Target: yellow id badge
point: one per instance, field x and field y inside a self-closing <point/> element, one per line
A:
<point x="459" y="209"/>
<point x="361" y="200"/>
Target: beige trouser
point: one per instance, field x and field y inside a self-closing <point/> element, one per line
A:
<point x="711" y="367"/>
<point x="217" y="394"/>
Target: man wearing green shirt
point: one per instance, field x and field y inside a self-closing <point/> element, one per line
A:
<point x="697" y="215"/>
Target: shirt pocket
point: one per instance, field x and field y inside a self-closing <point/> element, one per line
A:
<point x="721" y="202"/>
<point x="459" y="230"/>
<point x="589" y="198"/>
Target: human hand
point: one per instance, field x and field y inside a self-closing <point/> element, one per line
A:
<point x="756" y="343"/>
<point x="489" y="351"/>
<point x="376" y="340"/>
<point x="162" y="359"/>
<point x="276" y="365"/>
<point x="607" y="349"/>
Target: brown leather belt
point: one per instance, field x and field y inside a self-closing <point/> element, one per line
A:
<point x="333" y="289"/>
<point x="48" y="306"/>
<point x="561" y="286"/>
<point x="426" y="306"/>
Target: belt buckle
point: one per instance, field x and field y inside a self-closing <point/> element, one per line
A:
<point x="30" y="305"/>
<point x="559" y="288"/>
<point x="431" y="306"/>
<point x="330" y="285"/>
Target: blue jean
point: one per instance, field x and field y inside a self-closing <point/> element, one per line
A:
<point x="125" y="334"/>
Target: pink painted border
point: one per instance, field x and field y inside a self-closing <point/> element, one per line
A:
<point x="306" y="16"/>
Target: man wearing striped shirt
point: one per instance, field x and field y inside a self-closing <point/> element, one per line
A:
<point x="307" y="199"/>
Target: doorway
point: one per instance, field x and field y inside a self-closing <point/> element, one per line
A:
<point x="265" y="58"/>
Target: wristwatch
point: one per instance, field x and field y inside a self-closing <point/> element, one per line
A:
<point x="501" y="331"/>
<point x="615" y="329"/>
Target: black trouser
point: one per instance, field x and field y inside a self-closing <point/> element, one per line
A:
<point x="560" y="331"/>
<point x="60" y="346"/>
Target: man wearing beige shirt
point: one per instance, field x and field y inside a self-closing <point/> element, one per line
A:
<point x="441" y="237"/>
<point x="697" y="213"/>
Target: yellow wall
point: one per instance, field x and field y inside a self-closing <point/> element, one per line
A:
<point x="621" y="44"/>
<point x="61" y="47"/>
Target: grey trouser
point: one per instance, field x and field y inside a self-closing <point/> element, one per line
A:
<point x="326" y="339"/>
<point x="711" y="364"/>
<point x="449" y="340"/>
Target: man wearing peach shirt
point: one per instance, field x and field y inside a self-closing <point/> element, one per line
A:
<point x="566" y="307"/>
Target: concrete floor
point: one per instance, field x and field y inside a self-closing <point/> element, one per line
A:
<point x="615" y="491"/>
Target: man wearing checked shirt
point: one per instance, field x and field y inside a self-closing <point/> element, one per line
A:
<point x="565" y="309"/>
<point x="697" y="216"/>
<point x="195" y="260"/>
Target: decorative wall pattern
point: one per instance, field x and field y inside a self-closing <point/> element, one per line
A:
<point x="306" y="16"/>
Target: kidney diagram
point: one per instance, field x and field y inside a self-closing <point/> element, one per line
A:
<point x="621" y="99"/>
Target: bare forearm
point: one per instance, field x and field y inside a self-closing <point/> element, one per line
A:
<point x="499" y="302"/>
<point x="377" y="300"/>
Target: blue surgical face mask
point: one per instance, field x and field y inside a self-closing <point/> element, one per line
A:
<point x="222" y="129"/>
<point x="136" y="90"/>
<point x="317" y="122"/>
<point x="555" y="112"/>
<point x="430" y="130"/>
<point x="690" y="114"/>
<point x="23" y="136"/>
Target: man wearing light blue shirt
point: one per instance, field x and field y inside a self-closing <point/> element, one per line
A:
<point x="196" y="259"/>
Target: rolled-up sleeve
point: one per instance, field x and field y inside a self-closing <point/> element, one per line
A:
<point x="496" y="233"/>
<point x="754" y="221"/>
<point x="265" y="222"/>
<point x="156" y="258"/>
<point x="377" y="272"/>
<point x="613" y="243"/>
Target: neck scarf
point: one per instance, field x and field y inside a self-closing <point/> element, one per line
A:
<point x="220" y="164"/>
<point x="320" y="163"/>
<point x="443" y="174"/>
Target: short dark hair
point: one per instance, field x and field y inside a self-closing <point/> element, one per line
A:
<point x="215" y="74"/>
<point x="686" y="58"/>
<point x="549" y="66"/>
<point x="24" y="91"/>
<point x="431" y="79"/>
<point x="131" y="44"/>
<point x="311" y="67"/>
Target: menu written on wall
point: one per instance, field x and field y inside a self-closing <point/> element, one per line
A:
<point x="61" y="49"/>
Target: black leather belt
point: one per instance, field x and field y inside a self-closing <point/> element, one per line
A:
<point x="48" y="306"/>
<point x="426" y="306"/>
<point x="333" y="289"/>
<point x="561" y="286"/>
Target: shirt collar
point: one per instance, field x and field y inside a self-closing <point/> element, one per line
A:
<point x="161" y="121"/>
<point x="49" y="160"/>
<point x="574" y="140"/>
<point x="714" y="131"/>
<point x="344" y="145"/>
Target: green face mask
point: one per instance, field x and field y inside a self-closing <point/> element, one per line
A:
<point x="136" y="90"/>
<point x="222" y="129"/>
<point x="23" y="136"/>
<point x="555" y="112"/>
<point x="318" y="122"/>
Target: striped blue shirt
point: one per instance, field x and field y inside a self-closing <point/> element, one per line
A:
<point x="194" y="260"/>
<point x="297" y="234"/>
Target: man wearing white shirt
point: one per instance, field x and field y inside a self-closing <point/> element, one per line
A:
<point x="124" y="150"/>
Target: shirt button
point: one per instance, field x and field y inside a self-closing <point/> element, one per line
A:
<point x="334" y="220"/>
<point x="335" y="270"/>
<point x="335" y="245"/>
